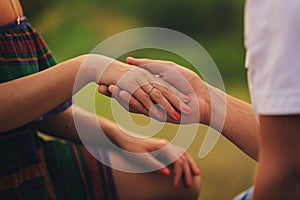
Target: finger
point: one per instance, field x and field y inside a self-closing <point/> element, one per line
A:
<point x="187" y="173"/>
<point x="170" y="89"/>
<point x="113" y="89"/>
<point x="131" y="107"/>
<point x="147" y="102"/>
<point x="157" y="96"/>
<point x="137" y="61"/>
<point x="172" y="95"/>
<point x="134" y="105"/>
<point x="116" y="93"/>
<point x="158" y="67"/>
<point x="103" y="89"/>
<point x="182" y="165"/>
<point x="185" y="165"/>
<point x="165" y="171"/>
<point x="177" y="173"/>
<point x="193" y="165"/>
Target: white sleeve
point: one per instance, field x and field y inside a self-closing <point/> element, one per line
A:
<point x="272" y="40"/>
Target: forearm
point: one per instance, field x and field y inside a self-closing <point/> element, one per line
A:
<point x="240" y="125"/>
<point x="25" y="99"/>
<point x="278" y="174"/>
<point x="76" y="124"/>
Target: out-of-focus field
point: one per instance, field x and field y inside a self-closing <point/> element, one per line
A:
<point x="75" y="27"/>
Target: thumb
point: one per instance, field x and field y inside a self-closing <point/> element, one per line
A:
<point x="135" y="61"/>
<point x="153" y="66"/>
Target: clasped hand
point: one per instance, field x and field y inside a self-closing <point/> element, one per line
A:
<point x="163" y="86"/>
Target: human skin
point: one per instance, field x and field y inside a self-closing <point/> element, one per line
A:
<point x="63" y="126"/>
<point x="243" y="132"/>
<point x="273" y="140"/>
<point x="49" y="88"/>
<point x="60" y="80"/>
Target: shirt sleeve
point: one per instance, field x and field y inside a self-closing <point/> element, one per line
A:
<point x="272" y="40"/>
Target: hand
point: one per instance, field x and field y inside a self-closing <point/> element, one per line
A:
<point x="159" y="153"/>
<point x="195" y="89"/>
<point x="145" y="87"/>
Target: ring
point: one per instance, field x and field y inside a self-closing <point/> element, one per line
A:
<point x="153" y="86"/>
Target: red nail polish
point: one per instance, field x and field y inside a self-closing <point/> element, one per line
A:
<point x="197" y="171"/>
<point x="165" y="172"/>
<point x="190" y="183"/>
<point x="186" y="109"/>
<point x="176" y="115"/>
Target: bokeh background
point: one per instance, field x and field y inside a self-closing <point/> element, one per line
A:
<point x="75" y="27"/>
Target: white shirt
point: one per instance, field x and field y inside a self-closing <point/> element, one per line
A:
<point x="272" y="40"/>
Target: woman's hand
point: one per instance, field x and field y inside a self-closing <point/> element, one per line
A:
<point x="144" y="86"/>
<point x="157" y="153"/>
<point x="179" y="79"/>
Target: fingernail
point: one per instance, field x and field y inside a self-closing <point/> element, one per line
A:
<point x="165" y="172"/>
<point x="186" y="98"/>
<point x="186" y="109"/>
<point x="190" y="183"/>
<point x="160" y="114"/>
<point x="197" y="171"/>
<point x="177" y="185"/>
<point x="176" y="115"/>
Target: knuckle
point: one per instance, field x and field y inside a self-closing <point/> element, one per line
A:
<point x="179" y="161"/>
<point x="166" y="91"/>
<point x="170" y="63"/>
<point x="142" y="72"/>
<point x="184" y="156"/>
<point x="184" y="159"/>
<point x="157" y="94"/>
<point x="163" y="142"/>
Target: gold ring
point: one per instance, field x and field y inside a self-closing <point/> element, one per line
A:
<point x="153" y="86"/>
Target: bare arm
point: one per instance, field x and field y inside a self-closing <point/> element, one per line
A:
<point x="279" y="164"/>
<point x="64" y="126"/>
<point x="24" y="100"/>
<point x="240" y="125"/>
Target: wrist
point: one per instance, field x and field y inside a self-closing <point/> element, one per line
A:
<point x="204" y="103"/>
<point x="215" y="108"/>
<point x="105" y="70"/>
<point x="113" y="72"/>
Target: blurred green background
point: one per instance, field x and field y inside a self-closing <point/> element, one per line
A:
<point x="75" y="27"/>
